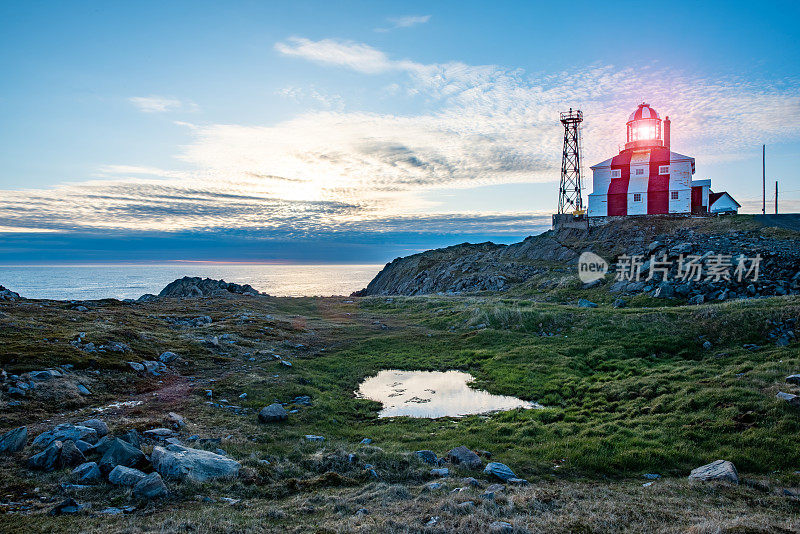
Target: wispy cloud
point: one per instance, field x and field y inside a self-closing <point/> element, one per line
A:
<point x="160" y="104"/>
<point x="404" y="22"/>
<point x="332" y="171"/>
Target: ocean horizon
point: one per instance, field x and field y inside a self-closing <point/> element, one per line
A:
<point x="130" y="281"/>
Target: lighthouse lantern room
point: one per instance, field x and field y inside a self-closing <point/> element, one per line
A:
<point x="646" y="177"/>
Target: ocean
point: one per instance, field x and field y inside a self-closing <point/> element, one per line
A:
<point x="88" y="282"/>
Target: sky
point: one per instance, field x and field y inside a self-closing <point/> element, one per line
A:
<point x="336" y="132"/>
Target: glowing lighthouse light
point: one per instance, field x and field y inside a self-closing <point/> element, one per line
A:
<point x="644" y="128"/>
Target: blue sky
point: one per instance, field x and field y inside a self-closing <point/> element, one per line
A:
<point x="359" y="131"/>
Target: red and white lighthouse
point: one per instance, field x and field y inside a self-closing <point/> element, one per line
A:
<point x="646" y="177"/>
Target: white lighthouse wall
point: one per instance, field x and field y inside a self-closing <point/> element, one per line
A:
<point x="680" y="182"/>
<point x="638" y="183"/>
<point x="601" y="180"/>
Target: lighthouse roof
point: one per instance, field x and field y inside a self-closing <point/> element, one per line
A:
<point x="644" y="111"/>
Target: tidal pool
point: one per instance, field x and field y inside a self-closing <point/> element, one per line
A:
<point x="432" y="394"/>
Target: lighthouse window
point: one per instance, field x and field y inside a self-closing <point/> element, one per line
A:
<point x="637" y="197"/>
<point x="674" y="195"/>
<point x="639" y="172"/>
<point x="663" y="169"/>
<point x="616" y="173"/>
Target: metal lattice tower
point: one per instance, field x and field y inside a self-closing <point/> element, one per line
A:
<point x="569" y="192"/>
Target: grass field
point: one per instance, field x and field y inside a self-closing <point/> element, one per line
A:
<point x="626" y="392"/>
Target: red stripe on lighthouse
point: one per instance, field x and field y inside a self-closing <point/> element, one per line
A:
<point x="658" y="184"/>
<point x="618" y="188"/>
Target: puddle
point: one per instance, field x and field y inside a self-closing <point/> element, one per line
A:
<point x="121" y="404"/>
<point x="432" y="394"/>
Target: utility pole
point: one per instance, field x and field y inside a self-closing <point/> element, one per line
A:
<point x="776" y="197"/>
<point x="763" y="179"/>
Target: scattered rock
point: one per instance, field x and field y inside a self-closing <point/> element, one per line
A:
<point x="619" y="303"/>
<point x="463" y="456"/>
<point x="176" y="420"/>
<point x="100" y="427"/>
<point x="583" y="303"/>
<point x="13" y="440"/>
<point x="138" y="367"/>
<point x="47" y="460"/>
<point x="87" y="473"/>
<point x="429" y="457"/>
<point x="707" y="345"/>
<point x="125" y="476"/>
<point x="440" y="472"/>
<point x="791" y="379"/>
<point x="168" y="357"/>
<point x="120" y="453"/>
<point x="178" y="463"/>
<point x="717" y="470"/>
<point x="158" y="433"/>
<point x="65" y="432"/>
<point x="501" y="527"/>
<point x="71" y="455"/>
<point x="792" y="400"/>
<point x="150" y="487"/>
<point x="312" y="437"/>
<point x="272" y="413"/>
<point x="499" y="471"/>
<point x="67" y="507"/>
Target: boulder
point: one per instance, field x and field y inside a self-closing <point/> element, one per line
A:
<point x="132" y="437"/>
<point x="583" y="303"/>
<point x="168" y="357"/>
<point x="71" y="455"/>
<point x="440" y="472"/>
<point x="272" y="413"/>
<point x="150" y="487"/>
<point x="99" y="426"/>
<point x="178" y="463"/>
<point x="125" y="476"/>
<point x="120" y="453"/>
<point x="154" y="368"/>
<point x="47" y="460"/>
<point x="65" y="432"/>
<point x="463" y="456"/>
<point x="14" y="440"/>
<point x="793" y="379"/>
<point x="136" y="366"/>
<point x="499" y="471"/>
<point x="87" y="473"/>
<point x="501" y="527"/>
<point x="717" y="470"/>
<point x="176" y="420"/>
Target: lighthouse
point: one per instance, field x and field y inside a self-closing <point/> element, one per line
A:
<point x="647" y="178"/>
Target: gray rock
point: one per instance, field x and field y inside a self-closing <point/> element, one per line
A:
<point x="583" y="303"/>
<point x="707" y="345"/>
<point x="158" y="433"/>
<point x="125" y="476"/>
<point x="717" y="470"/>
<point x="67" y="507"/>
<point x="150" y="487"/>
<point x="499" y="471"/>
<point x="272" y="413"/>
<point x="312" y="437"/>
<point x="154" y="368"/>
<point x="168" y="357"/>
<point x="120" y="453"/>
<point x="697" y="299"/>
<point x="440" y="472"/>
<point x="176" y="420"/>
<point x="99" y="426"/>
<point x="132" y="437"/>
<point x="14" y="440"/>
<point x="87" y="473"/>
<point x="792" y="400"/>
<point x="178" y="463"/>
<point x="429" y="457"/>
<point x="664" y="291"/>
<point x="136" y="366"/>
<point x="619" y="303"/>
<point x="71" y="455"/>
<point x="41" y="376"/>
<point x="47" y="460"/>
<point x="463" y="456"/>
<point x="83" y="390"/>
<point x="66" y="432"/>
<point x="792" y="379"/>
<point x="501" y="527"/>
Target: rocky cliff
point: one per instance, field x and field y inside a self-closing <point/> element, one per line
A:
<point x="542" y="262"/>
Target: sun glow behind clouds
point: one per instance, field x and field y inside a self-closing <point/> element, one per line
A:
<point x="326" y="171"/>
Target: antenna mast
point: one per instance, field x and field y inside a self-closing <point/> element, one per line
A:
<point x="569" y="192"/>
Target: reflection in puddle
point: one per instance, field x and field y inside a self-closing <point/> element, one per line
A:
<point x="433" y="394"/>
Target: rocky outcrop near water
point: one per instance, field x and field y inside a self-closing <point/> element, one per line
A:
<point x="547" y="261"/>
<point x="194" y="286"/>
<point x="7" y="294"/>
